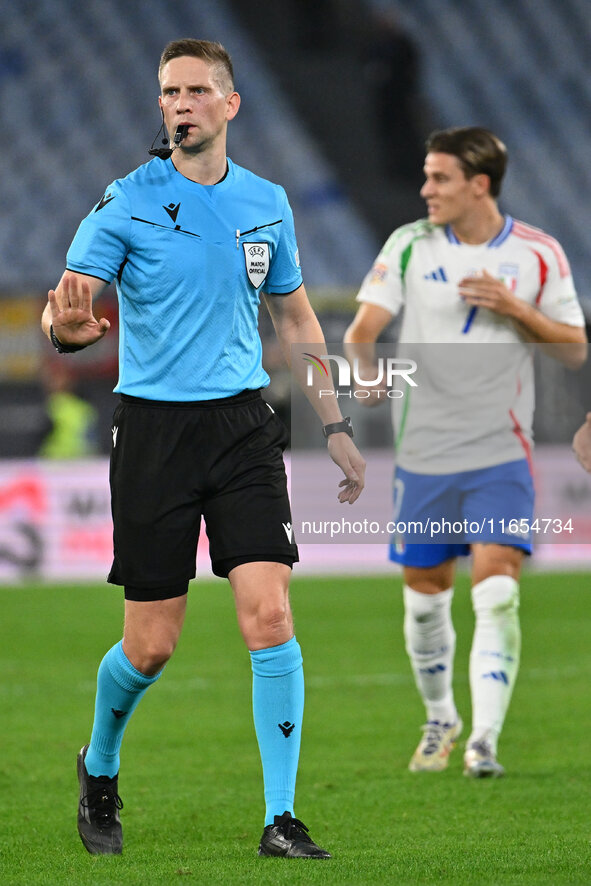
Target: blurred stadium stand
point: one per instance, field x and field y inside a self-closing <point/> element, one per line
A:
<point x="524" y="70"/>
<point x="78" y="108"/>
<point x="85" y="77"/>
<point x="521" y="68"/>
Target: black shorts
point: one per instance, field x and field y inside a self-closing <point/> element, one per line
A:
<point x="173" y="463"/>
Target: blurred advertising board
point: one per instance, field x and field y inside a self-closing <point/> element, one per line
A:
<point x="55" y="518"/>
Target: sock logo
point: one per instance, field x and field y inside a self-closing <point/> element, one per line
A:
<point x="497" y="675"/>
<point x="118" y="714"/>
<point x="287" y="728"/>
<point x="433" y="670"/>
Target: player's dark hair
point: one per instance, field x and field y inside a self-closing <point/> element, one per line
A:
<point x="212" y="53"/>
<point x="478" y="150"/>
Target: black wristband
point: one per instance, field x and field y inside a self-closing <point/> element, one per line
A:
<point x="62" y="348"/>
<point x="339" y="427"/>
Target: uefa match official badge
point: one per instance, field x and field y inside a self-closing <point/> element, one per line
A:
<point x="256" y="257"/>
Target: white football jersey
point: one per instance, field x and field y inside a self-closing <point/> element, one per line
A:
<point x="473" y="406"/>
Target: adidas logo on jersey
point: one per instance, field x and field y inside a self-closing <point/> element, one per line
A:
<point x="438" y="275"/>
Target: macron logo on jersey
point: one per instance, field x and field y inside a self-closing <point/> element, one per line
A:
<point x="106" y="198"/>
<point x="438" y="275"/>
<point x="172" y="210"/>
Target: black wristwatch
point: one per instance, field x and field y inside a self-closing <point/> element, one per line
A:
<point x="338" y="427"/>
<point x="62" y="348"/>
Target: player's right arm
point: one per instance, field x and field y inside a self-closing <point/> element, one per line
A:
<point x="69" y="310"/>
<point x="360" y="339"/>
<point x="95" y="257"/>
<point x="381" y="297"/>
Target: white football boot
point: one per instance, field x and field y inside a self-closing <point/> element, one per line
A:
<point x="480" y="761"/>
<point x="439" y="739"/>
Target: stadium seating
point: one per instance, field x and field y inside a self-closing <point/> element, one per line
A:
<point x="80" y="109"/>
<point x="523" y="70"/>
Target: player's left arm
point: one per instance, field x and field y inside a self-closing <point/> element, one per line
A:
<point x="569" y="342"/>
<point x="296" y="324"/>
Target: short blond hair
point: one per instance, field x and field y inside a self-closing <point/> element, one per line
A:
<point x="212" y="53"/>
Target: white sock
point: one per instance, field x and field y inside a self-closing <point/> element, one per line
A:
<point x="494" y="659"/>
<point x="430" y="643"/>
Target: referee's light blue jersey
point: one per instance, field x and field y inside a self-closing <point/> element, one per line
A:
<point x="190" y="262"/>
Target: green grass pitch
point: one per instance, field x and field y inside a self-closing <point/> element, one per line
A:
<point x="190" y="775"/>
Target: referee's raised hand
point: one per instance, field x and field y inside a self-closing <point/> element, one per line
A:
<point x="70" y="309"/>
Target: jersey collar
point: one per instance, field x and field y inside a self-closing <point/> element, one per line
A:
<point x="492" y="244"/>
<point x="189" y="183"/>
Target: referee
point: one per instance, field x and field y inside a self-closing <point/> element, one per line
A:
<point x="192" y="241"/>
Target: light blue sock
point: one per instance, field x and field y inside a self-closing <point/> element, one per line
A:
<point x="119" y="689"/>
<point x="278" y="709"/>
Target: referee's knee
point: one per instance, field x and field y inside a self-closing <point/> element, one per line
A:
<point x="149" y="655"/>
<point x="271" y="625"/>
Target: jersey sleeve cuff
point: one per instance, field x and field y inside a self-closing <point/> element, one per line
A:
<point x="283" y="290"/>
<point x="373" y="299"/>
<point x="99" y="273"/>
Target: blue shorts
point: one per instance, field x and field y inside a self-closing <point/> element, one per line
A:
<point x="446" y="513"/>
